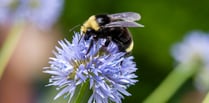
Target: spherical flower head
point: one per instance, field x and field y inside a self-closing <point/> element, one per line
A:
<point x="108" y="71"/>
<point x="42" y="13"/>
<point x="195" y="47"/>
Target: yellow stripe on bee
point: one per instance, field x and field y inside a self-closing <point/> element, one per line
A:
<point x="90" y="23"/>
<point x="129" y="49"/>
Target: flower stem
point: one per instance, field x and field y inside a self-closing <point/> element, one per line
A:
<point x="173" y="81"/>
<point x="82" y="95"/>
<point x="9" y="46"/>
<point x="206" y="99"/>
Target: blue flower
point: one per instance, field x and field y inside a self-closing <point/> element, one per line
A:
<point x="42" y="13"/>
<point x="108" y="71"/>
<point x="195" y="47"/>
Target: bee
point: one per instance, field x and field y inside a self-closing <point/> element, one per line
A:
<point x="112" y="27"/>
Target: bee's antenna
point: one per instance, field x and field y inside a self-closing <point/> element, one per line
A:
<point x="74" y="28"/>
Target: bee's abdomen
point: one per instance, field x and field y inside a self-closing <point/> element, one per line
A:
<point x="122" y="37"/>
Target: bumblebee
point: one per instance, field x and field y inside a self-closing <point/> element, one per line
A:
<point x="112" y="27"/>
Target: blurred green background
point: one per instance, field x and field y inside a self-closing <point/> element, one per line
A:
<point x="166" y="22"/>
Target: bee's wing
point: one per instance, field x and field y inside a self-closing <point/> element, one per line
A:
<point x="123" y="24"/>
<point x="126" y="16"/>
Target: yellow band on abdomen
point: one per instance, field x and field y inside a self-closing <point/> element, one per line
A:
<point x="129" y="49"/>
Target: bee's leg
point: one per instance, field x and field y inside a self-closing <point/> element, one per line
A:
<point x="80" y="38"/>
<point x="86" y="36"/>
<point x="107" y="42"/>
<point x="90" y="46"/>
<point x="93" y="40"/>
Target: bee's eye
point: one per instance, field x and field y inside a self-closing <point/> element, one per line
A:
<point x="89" y="30"/>
<point x="102" y="19"/>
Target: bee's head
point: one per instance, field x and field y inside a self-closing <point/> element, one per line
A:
<point x="90" y="25"/>
<point x="94" y="23"/>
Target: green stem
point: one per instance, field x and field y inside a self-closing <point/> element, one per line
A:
<point x="9" y="46"/>
<point x="206" y="100"/>
<point x="82" y="93"/>
<point x="172" y="83"/>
